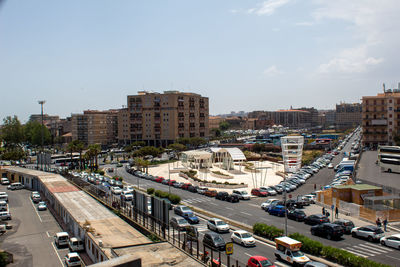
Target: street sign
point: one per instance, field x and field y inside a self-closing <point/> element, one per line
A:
<point x="229" y="248"/>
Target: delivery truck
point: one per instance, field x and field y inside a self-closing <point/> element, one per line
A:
<point x="288" y="249"/>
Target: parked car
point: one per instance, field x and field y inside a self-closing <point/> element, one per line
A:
<point x="35" y="196"/>
<point x="178" y="185"/>
<point x="186" y="213"/>
<point x="222" y="195"/>
<point x="258" y="192"/>
<point x="159" y="180"/>
<point x="186" y="186"/>
<point x="391" y="241"/>
<point x="316" y="219"/>
<point x="202" y="190"/>
<point x="292" y="203"/>
<point x="330" y="166"/>
<point x="192" y="189"/>
<point x="242" y="194"/>
<point x="127" y="195"/>
<point x="217" y="225"/>
<point x="214" y="241"/>
<point x="311" y="198"/>
<point x="297" y="215"/>
<point x="76" y="244"/>
<point x="5" y="215"/>
<point x="277" y="210"/>
<point x="61" y="239"/>
<point x="259" y="261"/>
<point x="116" y="190"/>
<point x="370" y="232"/>
<point x="328" y="230"/>
<point x="268" y="203"/>
<point x="210" y="193"/>
<point x="243" y="238"/>
<point x="72" y="259"/>
<point x="42" y="206"/>
<point x="15" y="186"/>
<point x="5" y="181"/>
<point x="346" y="224"/>
<point x="179" y="223"/>
<point x="192" y="232"/>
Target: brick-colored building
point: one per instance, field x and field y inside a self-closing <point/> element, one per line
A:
<point x="160" y="119"/>
<point x="348" y="115"/>
<point x="95" y="127"/>
<point x="381" y="118"/>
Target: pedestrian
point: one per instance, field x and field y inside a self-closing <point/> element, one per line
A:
<point x="327" y="214"/>
<point x="378" y="222"/>
<point x="336" y="212"/>
<point x="323" y="210"/>
<point x="385" y="222"/>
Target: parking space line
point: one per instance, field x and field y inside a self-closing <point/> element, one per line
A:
<point x="58" y="256"/>
<point x="247" y="254"/>
<point x="229" y="208"/>
<point x="254" y="205"/>
<point x="37" y="213"/>
<point x="48" y="234"/>
<point x="212" y="204"/>
<point x="245" y="213"/>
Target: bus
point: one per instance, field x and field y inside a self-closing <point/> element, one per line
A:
<point x="60" y="162"/>
<point x="389" y="158"/>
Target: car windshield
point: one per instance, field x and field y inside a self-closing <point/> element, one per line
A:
<point x="243" y="192"/>
<point x="218" y="239"/>
<point x="74" y="259"/>
<point x="182" y="221"/>
<point x="378" y="231"/>
<point x="185" y="209"/>
<point x="190" y="214"/>
<point x="221" y="223"/>
<point x="246" y="235"/>
<point x="265" y="263"/>
<point x="297" y="253"/>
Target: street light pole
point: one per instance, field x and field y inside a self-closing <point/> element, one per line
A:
<point x="169" y="180"/>
<point x="41" y="103"/>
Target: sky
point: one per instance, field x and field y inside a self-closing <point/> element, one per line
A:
<point x="242" y="54"/>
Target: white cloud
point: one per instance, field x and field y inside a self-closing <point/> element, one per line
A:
<point x="268" y="7"/>
<point x="354" y="60"/>
<point x="374" y="25"/>
<point x="234" y="11"/>
<point x="273" y="71"/>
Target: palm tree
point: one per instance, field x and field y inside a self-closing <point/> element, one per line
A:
<point x="94" y="151"/>
<point x="71" y="147"/>
<point x="79" y="146"/>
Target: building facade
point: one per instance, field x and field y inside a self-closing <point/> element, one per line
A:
<point x="348" y="115"/>
<point x="95" y="127"/>
<point x="381" y="118"/>
<point x="160" y="119"/>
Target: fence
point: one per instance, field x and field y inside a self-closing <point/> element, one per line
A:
<point x="145" y="221"/>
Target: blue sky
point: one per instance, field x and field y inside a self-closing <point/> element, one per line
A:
<point x="242" y="54"/>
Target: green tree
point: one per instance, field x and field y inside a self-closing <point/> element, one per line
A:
<point x="94" y="150"/>
<point x="135" y="145"/>
<point x="224" y="125"/>
<point x="148" y="151"/>
<point x="216" y="132"/>
<point x="177" y="147"/>
<point x="12" y="132"/>
<point x="197" y="141"/>
<point x="258" y="148"/>
<point x="33" y="133"/>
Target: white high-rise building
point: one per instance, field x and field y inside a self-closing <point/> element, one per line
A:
<point x="292" y="151"/>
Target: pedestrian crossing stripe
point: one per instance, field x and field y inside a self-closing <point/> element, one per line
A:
<point x="368" y="250"/>
<point x="376" y="248"/>
<point x="350" y="249"/>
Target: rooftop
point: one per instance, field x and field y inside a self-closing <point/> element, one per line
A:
<point x="358" y="187"/>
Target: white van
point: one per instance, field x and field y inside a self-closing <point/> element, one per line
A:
<point x="15" y="186"/>
<point x="5" y="181"/>
<point x="61" y="239"/>
<point x="75" y="244"/>
<point x="3" y="197"/>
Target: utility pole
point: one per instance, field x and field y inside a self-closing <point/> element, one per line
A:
<point x="41" y="103"/>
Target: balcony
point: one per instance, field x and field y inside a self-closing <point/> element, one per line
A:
<point x="379" y="122"/>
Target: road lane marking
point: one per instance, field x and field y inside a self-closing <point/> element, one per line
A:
<point x="351" y="250"/>
<point x="212" y="204"/>
<point x="248" y="254"/>
<point x="375" y="248"/>
<point x="37" y="213"/>
<point x="47" y="232"/>
<point x="265" y="219"/>
<point x="58" y="256"/>
<point x="254" y="205"/>
<point x="248" y="214"/>
<point x="229" y="208"/>
<point x="392" y="257"/>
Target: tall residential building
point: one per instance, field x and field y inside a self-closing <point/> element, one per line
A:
<point x="123" y="127"/>
<point x="381" y="117"/>
<point x="95" y="127"/>
<point x="160" y="119"/>
<point x="348" y="115"/>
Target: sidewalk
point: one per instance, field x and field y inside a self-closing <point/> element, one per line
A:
<point x="393" y="228"/>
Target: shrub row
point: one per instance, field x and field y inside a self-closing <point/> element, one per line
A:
<point x="175" y="199"/>
<point x="316" y="248"/>
<point x="205" y="181"/>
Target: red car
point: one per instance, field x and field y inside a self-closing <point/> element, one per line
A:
<point x="159" y="180"/>
<point x="258" y="192"/>
<point x="171" y="182"/>
<point x="186" y="186"/>
<point x="259" y="261"/>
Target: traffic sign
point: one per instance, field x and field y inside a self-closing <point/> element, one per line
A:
<point x="229" y="248"/>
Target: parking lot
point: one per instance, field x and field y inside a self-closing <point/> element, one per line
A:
<point x="31" y="238"/>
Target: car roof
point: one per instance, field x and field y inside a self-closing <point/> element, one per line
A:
<point x="240" y="231"/>
<point x="73" y="254"/>
<point x="213" y="234"/>
<point x="259" y="258"/>
<point x="372" y="227"/>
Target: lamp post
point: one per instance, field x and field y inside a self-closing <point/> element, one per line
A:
<point x="41" y="103"/>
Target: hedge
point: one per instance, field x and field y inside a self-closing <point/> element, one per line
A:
<point x="175" y="199"/>
<point x="316" y="248"/>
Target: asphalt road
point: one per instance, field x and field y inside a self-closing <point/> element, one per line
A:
<point x="249" y="213"/>
<point x="31" y="239"/>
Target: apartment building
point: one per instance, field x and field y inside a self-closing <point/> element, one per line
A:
<point x="381" y="118"/>
<point x="95" y="127"/>
<point x="160" y="118"/>
<point x="348" y="115"/>
<point x="123" y="126"/>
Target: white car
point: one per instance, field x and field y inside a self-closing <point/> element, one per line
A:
<point x="15" y="186"/>
<point x="243" y="237"/>
<point x="42" y="206"/>
<point x="116" y="190"/>
<point x="217" y="225"/>
<point x="127" y="195"/>
<point x="5" y="215"/>
<point x="330" y="166"/>
<point x="129" y="188"/>
<point x="391" y="241"/>
<point x="73" y="259"/>
<point x="268" y="203"/>
<point x="242" y="194"/>
<point x="370" y="232"/>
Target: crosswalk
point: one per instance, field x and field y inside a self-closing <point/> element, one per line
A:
<point x="368" y="249"/>
<point x="196" y="200"/>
